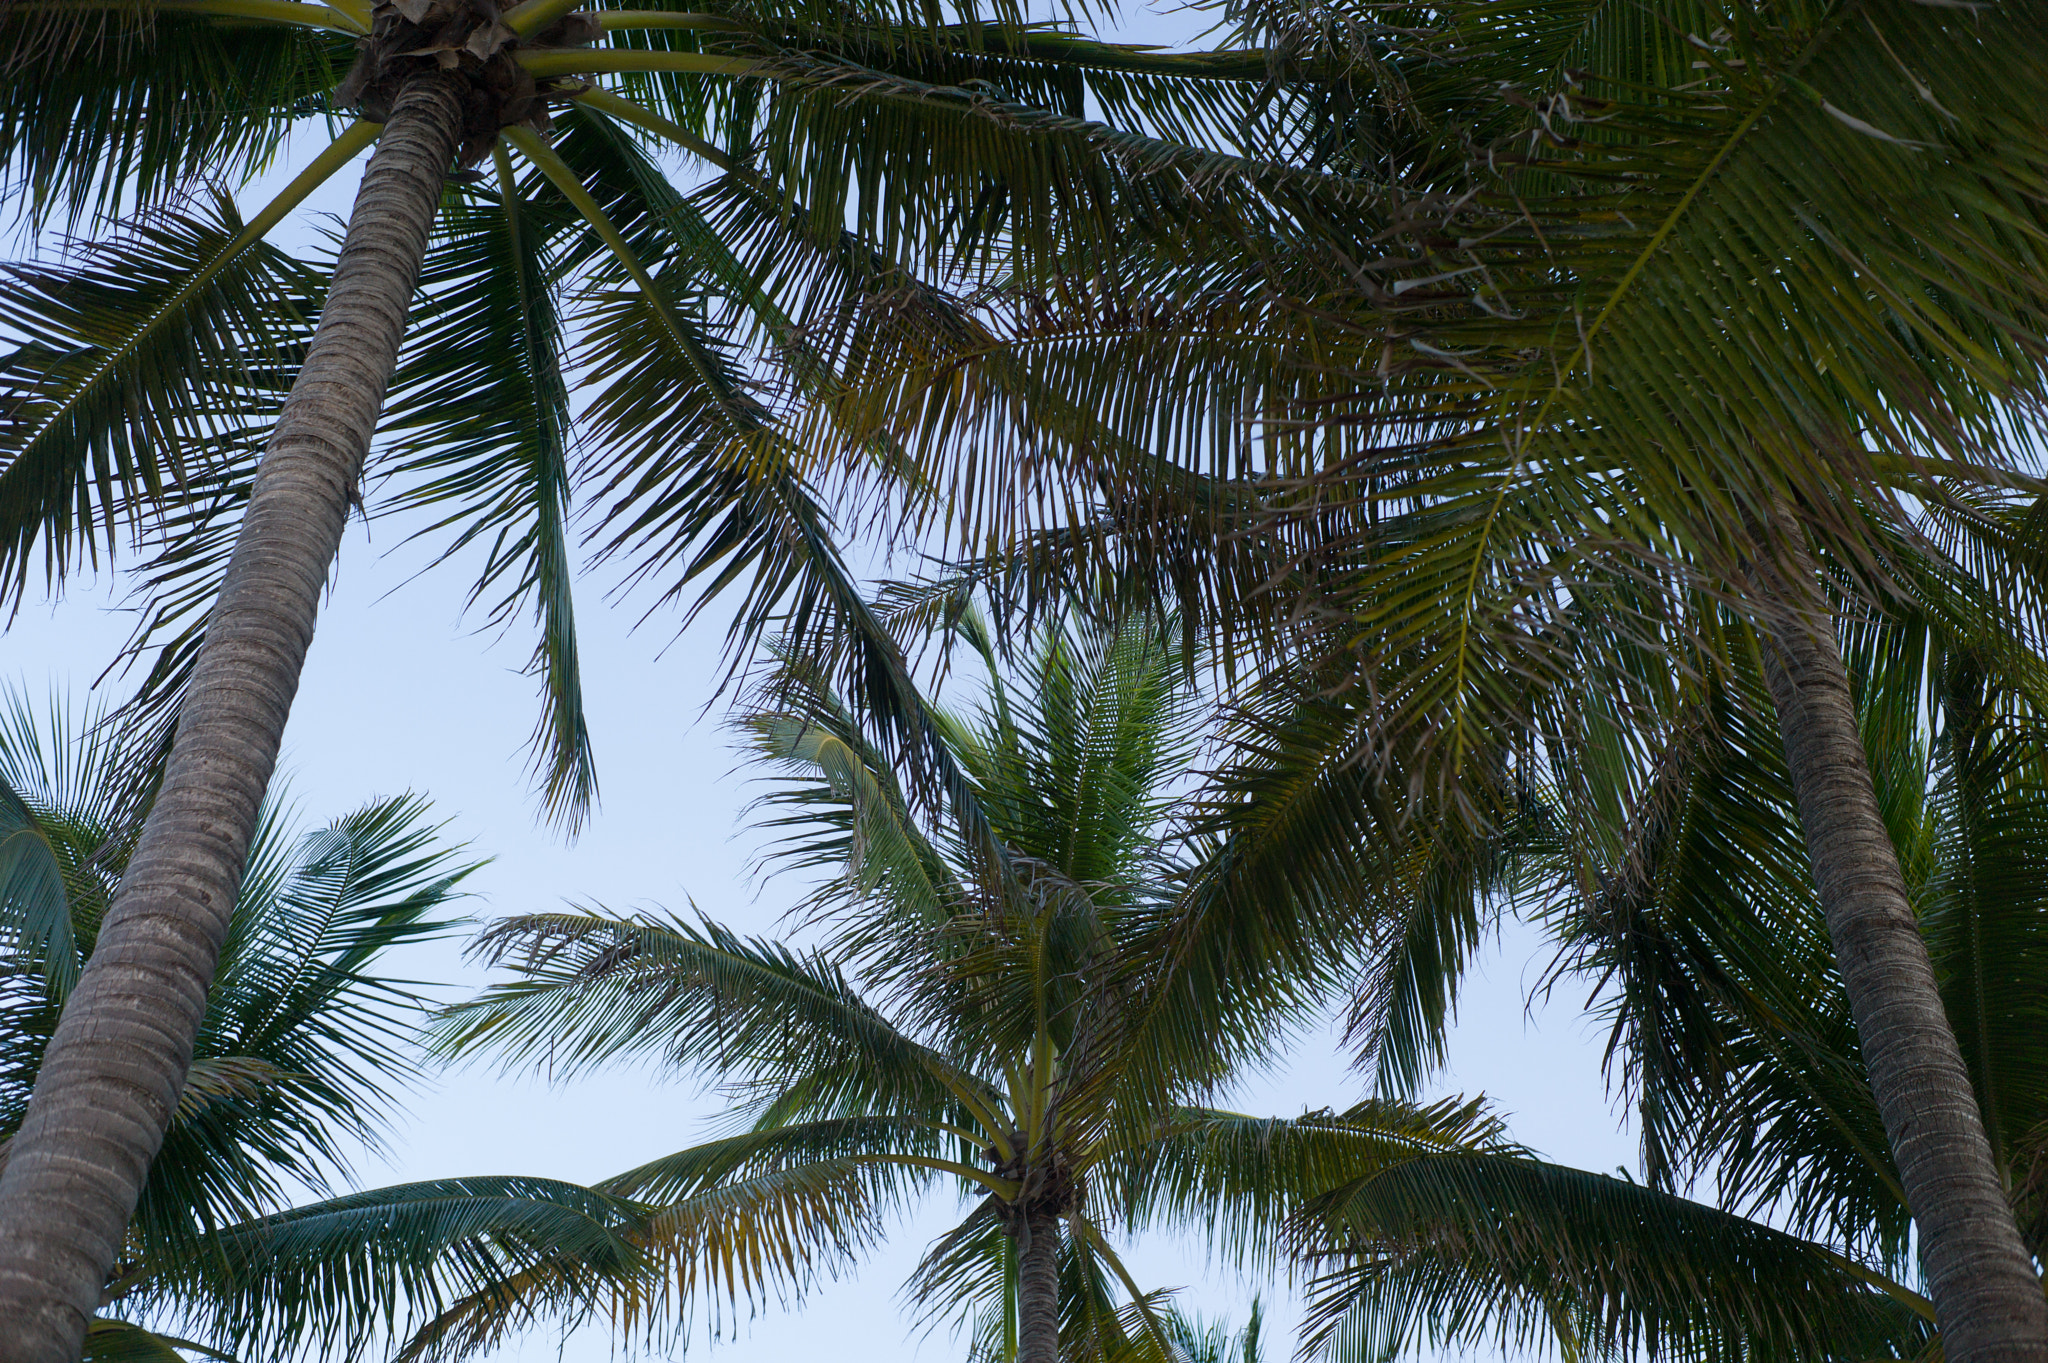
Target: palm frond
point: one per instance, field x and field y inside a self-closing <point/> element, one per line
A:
<point x="1470" y="1249"/>
<point x="753" y="1217"/>
<point x="306" y="1042"/>
<point x="118" y="1341"/>
<point x="765" y="1236"/>
<point x="36" y="913"/>
<point x="595" y="987"/>
<point x="111" y="104"/>
<point x="149" y="365"/>
<point x="336" y="1275"/>
<point x="482" y="442"/>
<point x="1241" y="1179"/>
<point x="1984" y="922"/>
<point x="844" y="811"/>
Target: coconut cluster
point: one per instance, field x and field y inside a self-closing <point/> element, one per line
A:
<point x="470" y="39"/>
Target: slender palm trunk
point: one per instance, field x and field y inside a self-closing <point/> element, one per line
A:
<point x="1038" y="1290"/>
<point x="1986" y="1296"/>
<point x="114" y="1071"/>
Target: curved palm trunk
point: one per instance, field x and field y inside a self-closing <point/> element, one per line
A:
<point x="1986" y="1296"/>
<point x="115" y="1068"/>
<point x="1038" y="1290"/>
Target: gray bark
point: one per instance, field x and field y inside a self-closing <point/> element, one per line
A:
<point x="117" y="1064"/>
<point x="1038" y="1290"/>
<point x="1987" y="1299"/>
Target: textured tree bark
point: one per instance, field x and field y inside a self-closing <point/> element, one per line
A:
<point x="114" y="1070"/>
<point x="1987" y="1299"/>
<point x="1038" y="1290"/>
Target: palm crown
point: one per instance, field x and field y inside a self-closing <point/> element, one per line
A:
<point x="1013" y="1028"/>
<point x="1524" y="333"/>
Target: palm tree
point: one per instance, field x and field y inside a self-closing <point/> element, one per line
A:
<point x="152" y="368"/>
<point x="304" y="1041"/>
<point x="1609" y="297"/>
<point x="304" y="1047"/>
<point x="1737" y="1041"/>
<point x="999" y="1007"/>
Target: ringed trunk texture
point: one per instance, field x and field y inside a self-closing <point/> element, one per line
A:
<point x="117" y="1064"/>
<point x="1038" y="1290"/>
<point x="1987" y="1299"/>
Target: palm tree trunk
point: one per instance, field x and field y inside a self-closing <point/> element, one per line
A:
<point x="116" y="1067"/>
<point x="1986" y="1296"/>
<point x="1038" y="1290"/>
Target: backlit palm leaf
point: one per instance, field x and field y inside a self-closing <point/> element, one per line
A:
<point x="1467" y="1250"/>
<point x="106" y="105"/>
<point x="147" y="366"/>
<point x="337" y="1274"/>
<point x="483" y="444"/>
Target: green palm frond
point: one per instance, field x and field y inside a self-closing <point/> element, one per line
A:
<point x="149" y="365"/>
<point x="968" y="1275"/>
<point x="1980" y="908"/>
<point x="311" y="1041"/>
<point x="181" y="562"/>
<point x="303" y="1042"/>
<point x="36" y="908"/>
<point x="336" y="1275"/>
<point x="1131" y="1331"/>
<point x="294" y="963"/>
<point x="1466" y="1250"/>
<point x="1403" y="1005"/>
<point x="483" y="442"/>
<point x="118" y="1341"/>
<point x="764" y="1237"/>
<point x="776" y="1228"/>
<point x="968" y="154"/>
<point x="1095" y="732"/>
<point x="968" y="1279"/>
<point x="757" y="1217"/>
<point x="179" y="335"/>
<point x="111" y="104"/>
<point x="1240" y="1179"/>
<point x="58" y="759"/>
<point x="58" y="817"/>
<point x="1201" y="1340"/>
<point x="675" y="404"/>
<point x="844" y="1143"/>
<point x="596" y="987"/>
<point x="850" y="817"/>
<point x="822" y="298"/>
<point x="1311" y="879"/>
<point x="699" y="489"/>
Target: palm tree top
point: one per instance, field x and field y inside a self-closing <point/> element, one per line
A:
<point x="993" y="1005"/>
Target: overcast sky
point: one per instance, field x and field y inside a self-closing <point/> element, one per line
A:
<point x="400" y="694"/>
